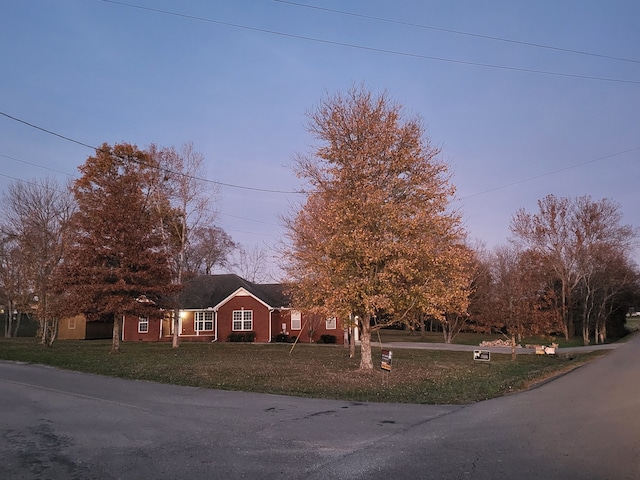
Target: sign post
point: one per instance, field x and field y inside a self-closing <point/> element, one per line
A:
<point x="386" y="364"/>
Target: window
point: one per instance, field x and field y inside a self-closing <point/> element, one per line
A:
<point x="243" y="320"/>
<point x="331" y="323"/>
<point x="72" y="323"/>
<point x="143" y="325"/>
<point x="204" y="321"/>
<point x="296" y="320"/>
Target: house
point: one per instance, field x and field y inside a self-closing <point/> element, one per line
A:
<point x="228" y="307"/>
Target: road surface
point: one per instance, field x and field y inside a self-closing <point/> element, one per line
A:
<point x="56" y="424"/>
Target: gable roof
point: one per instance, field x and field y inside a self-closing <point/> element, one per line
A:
<point x="209" y="290"/>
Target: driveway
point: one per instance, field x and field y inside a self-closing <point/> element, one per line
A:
<point x="505" y="350"/>
<point x="56" y="424"/>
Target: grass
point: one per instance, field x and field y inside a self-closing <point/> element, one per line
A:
<point x="633" y="323"/>
<point x="321" y="371"/>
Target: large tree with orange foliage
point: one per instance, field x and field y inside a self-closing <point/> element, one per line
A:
<point x="376" y="238"/>
<point x="116" y="263"/>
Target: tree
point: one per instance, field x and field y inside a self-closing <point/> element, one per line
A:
<point x="116" y="264"/>
<point x="14" y="290"/>
<point x="180" y="179"/>
<point x="569" y="236"/>
<point x="36" y="216"/>
<point x="251" y="264"/>
<point x="209" y="246"/>
<point x="375" y="237"/>
<point x="548" y="232"/>
<point x="519" y="296"/>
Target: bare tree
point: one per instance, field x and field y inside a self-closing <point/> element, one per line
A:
<point x="251" y="264"/>
<point x="570" y="236"/>
<point x="36" y="216"/>
<point x="15" y="292"/>
<point x="209" y="246"/>
<point x="191" y="197"/>
<point x="549" y="233"/>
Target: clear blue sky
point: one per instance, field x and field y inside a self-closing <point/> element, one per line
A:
<point x="525" y="98"/>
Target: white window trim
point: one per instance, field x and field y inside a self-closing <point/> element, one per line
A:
<point x="296" y="320"/>
<point x="245" y="316"/>
<point x="143" y="321"/>
<point x="72" y="323"/>
<point x="331" y="323"/>
<point x="201" y="318"/>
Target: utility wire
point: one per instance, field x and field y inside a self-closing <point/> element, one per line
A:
<point x="458" y="32"/>
<point x="98" y="149"/>
<point x="483" y="192"/>
<point x="27" y="182"/>
<point x="75" y="176"/>
<point x="536" y="177"/>
<point x="374" y="49"/>
<point x="39" y="166"/>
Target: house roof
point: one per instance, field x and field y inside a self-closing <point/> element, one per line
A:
<point x="209" y="290"/>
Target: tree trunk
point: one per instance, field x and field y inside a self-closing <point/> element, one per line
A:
<point x="602" y="331"/>
<point x="513" y="346"/>
<point x="176" y="328"/>
<point x="352" y="342"/>
<point x="115" y="344"/>
<point x="53" y="332"/>
<point x="446" y="331"/>
<point x="43" y="331"/>
<point x="585" y="334"/>
<point x="366" y="361"/>
<point x="8" y="318"/>
<point x="16" y="327"/>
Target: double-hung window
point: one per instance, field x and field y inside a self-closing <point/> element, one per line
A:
<point x="143" y="325"/>
<point x="204" y="321"/>
<point x="330" y="324"/>
<point x="242" y="320"/>
<point x="296" y="320"/>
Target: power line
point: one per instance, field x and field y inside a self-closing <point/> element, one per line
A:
<point x="459" y="32"/>
<point x="37" y="165"/>
<point x="28" y="182"/>
<point x="250" y="219"/>
<point x="542" y="175"/>
<point x="98" y="149"/>
<point x="373" y="49"/>
<point x="483" y="192"/>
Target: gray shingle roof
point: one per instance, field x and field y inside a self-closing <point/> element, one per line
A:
<point x="209" y="290"/>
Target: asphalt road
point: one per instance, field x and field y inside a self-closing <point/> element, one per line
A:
<point x="56" y="424"/>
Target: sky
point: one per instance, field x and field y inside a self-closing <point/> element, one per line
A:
<point x="525" y="99"/>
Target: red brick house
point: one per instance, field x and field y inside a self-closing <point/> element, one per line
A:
<point x="224" y="307"/>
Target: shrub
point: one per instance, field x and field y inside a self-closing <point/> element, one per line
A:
<point x="328" y="338"/>
<point x="242" y="337"/>
<point x="282" y="337"/>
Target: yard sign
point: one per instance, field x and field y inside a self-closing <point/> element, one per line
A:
<point x="482" y="355"/>
<point x="386" y="360"/>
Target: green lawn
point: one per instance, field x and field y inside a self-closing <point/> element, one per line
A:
<point x="323" y="371"/>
